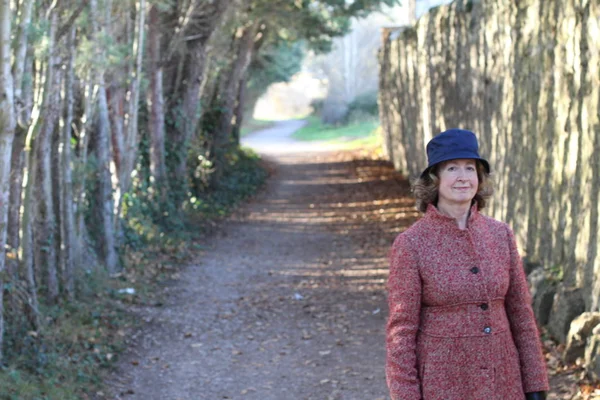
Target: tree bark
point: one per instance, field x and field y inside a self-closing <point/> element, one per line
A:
<point x="104" y="193"/>
<point x="67" y="226"/>
<point x="23" y="114"/>
<point x="238" y="114"/>
<point x="26" y="247"/>
<point x="45" y="251"/>
<point x="132" y="137"/>
<point x="25" y="11"/>
<point x="193" y="77"/>
<point x="7" y="132"/>
<point x="23" y="230"/>
<point x="156" y="125"/>
<point x="79" y="193"/>
<point x="229" y="95"/>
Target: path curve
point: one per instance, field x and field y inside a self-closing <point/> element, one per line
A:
<point x="277" y="140"/>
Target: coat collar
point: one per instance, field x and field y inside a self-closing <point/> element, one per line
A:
<point x="433" y="214"/>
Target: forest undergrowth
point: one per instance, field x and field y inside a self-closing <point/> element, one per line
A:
<point x="79" y="342"/>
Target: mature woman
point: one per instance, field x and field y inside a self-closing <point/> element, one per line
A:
<point x="461" y="325"/>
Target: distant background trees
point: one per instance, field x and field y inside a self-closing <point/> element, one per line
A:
<point x="348" y="74"/>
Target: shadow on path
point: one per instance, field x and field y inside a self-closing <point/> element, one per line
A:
<point x="289" y="301"/>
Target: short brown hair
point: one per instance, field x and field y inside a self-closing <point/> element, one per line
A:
<point x="425" y="188"/>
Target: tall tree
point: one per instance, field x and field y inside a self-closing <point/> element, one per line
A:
<point x="242" y="48"/>
<point x="23" y="91"/>
<point x="104" y="185"/>
<point x="131" y="140"/>
<point x="45" y="219"/>
<point x="67" y="217"/>
<point x="156" y="123"/>
<point x="7" y="132"/>
<point x="188" y="54"/>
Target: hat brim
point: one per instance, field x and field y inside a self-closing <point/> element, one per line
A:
<point x="454" y="156"/>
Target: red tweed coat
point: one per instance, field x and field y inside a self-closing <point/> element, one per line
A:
<point x="461" y="325"/>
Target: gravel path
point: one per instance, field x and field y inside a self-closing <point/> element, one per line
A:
<point x="286" y="303"/>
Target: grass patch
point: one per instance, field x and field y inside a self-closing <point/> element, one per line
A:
<point x="373" y="140"/>
<point x="315" y="130"/>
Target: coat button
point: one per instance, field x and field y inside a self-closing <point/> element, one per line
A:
<point x="487" y="330"/>
<point x="483" y="306"/>
<point x="474" y="270"/>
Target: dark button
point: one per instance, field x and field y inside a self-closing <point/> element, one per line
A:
<point x="487" y="330"/>
<point x="474" y="270"/>
<point x="483" y="306"/>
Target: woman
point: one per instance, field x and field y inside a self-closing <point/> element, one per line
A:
<point x="461" y="325"/>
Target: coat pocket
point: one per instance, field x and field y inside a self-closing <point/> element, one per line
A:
<point x="434" y="370"/>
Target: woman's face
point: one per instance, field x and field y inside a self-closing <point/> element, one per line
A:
<point x="458" y="182"/>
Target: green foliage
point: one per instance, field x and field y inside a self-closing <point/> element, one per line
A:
<point x="275" y="62"/>
<point x="363" y="106"/>
<point x="316" y="22"/>
<point x="148" y="217"/>
<point x="555" y="273"/>
<point x="71" y="353"/>
<point x="242" y="176"/>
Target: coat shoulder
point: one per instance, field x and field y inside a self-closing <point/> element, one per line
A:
<point x="412" y="235"/>
<point x="495" y="225"/>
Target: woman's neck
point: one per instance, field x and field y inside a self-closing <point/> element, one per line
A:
<point x="460" y="212"/>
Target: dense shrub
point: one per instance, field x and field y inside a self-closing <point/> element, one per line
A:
<point x="363" y="106"/>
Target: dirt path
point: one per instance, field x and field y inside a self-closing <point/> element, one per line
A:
<point x="288" y="300"/>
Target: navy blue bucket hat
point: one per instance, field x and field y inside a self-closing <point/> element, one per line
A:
<point x="451" y="145"/>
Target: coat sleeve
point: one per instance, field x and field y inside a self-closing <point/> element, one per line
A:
<point x="404" y="297"/>
<point x="523" y="324"/>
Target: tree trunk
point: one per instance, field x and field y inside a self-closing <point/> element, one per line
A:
<point x="25" y="11"/>
<point x="105" y="199"/>
<point x="79" y="193"/>
<point x="67" y="226"/>
<point x="116" y="114"/>
<point x="14" y="205"/>
<point x="193" y="78"/>
<point x="229" y="95"/>
<point x="23" y="116"/>
<point x="7" y="132"/>
<point x="26" y="247"/>
<point x="132" y="137"/>
<point x="240" y="108"/>
<point x="23" y="224"/>
<point x="191" y="103"/>
<point x="104" y="193"/>
<point x="45" y="254"/>
<point x="156" y="125"/>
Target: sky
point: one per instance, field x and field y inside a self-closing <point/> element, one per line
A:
<point x="424" y="5"/>
<point x="397" y="15"/>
